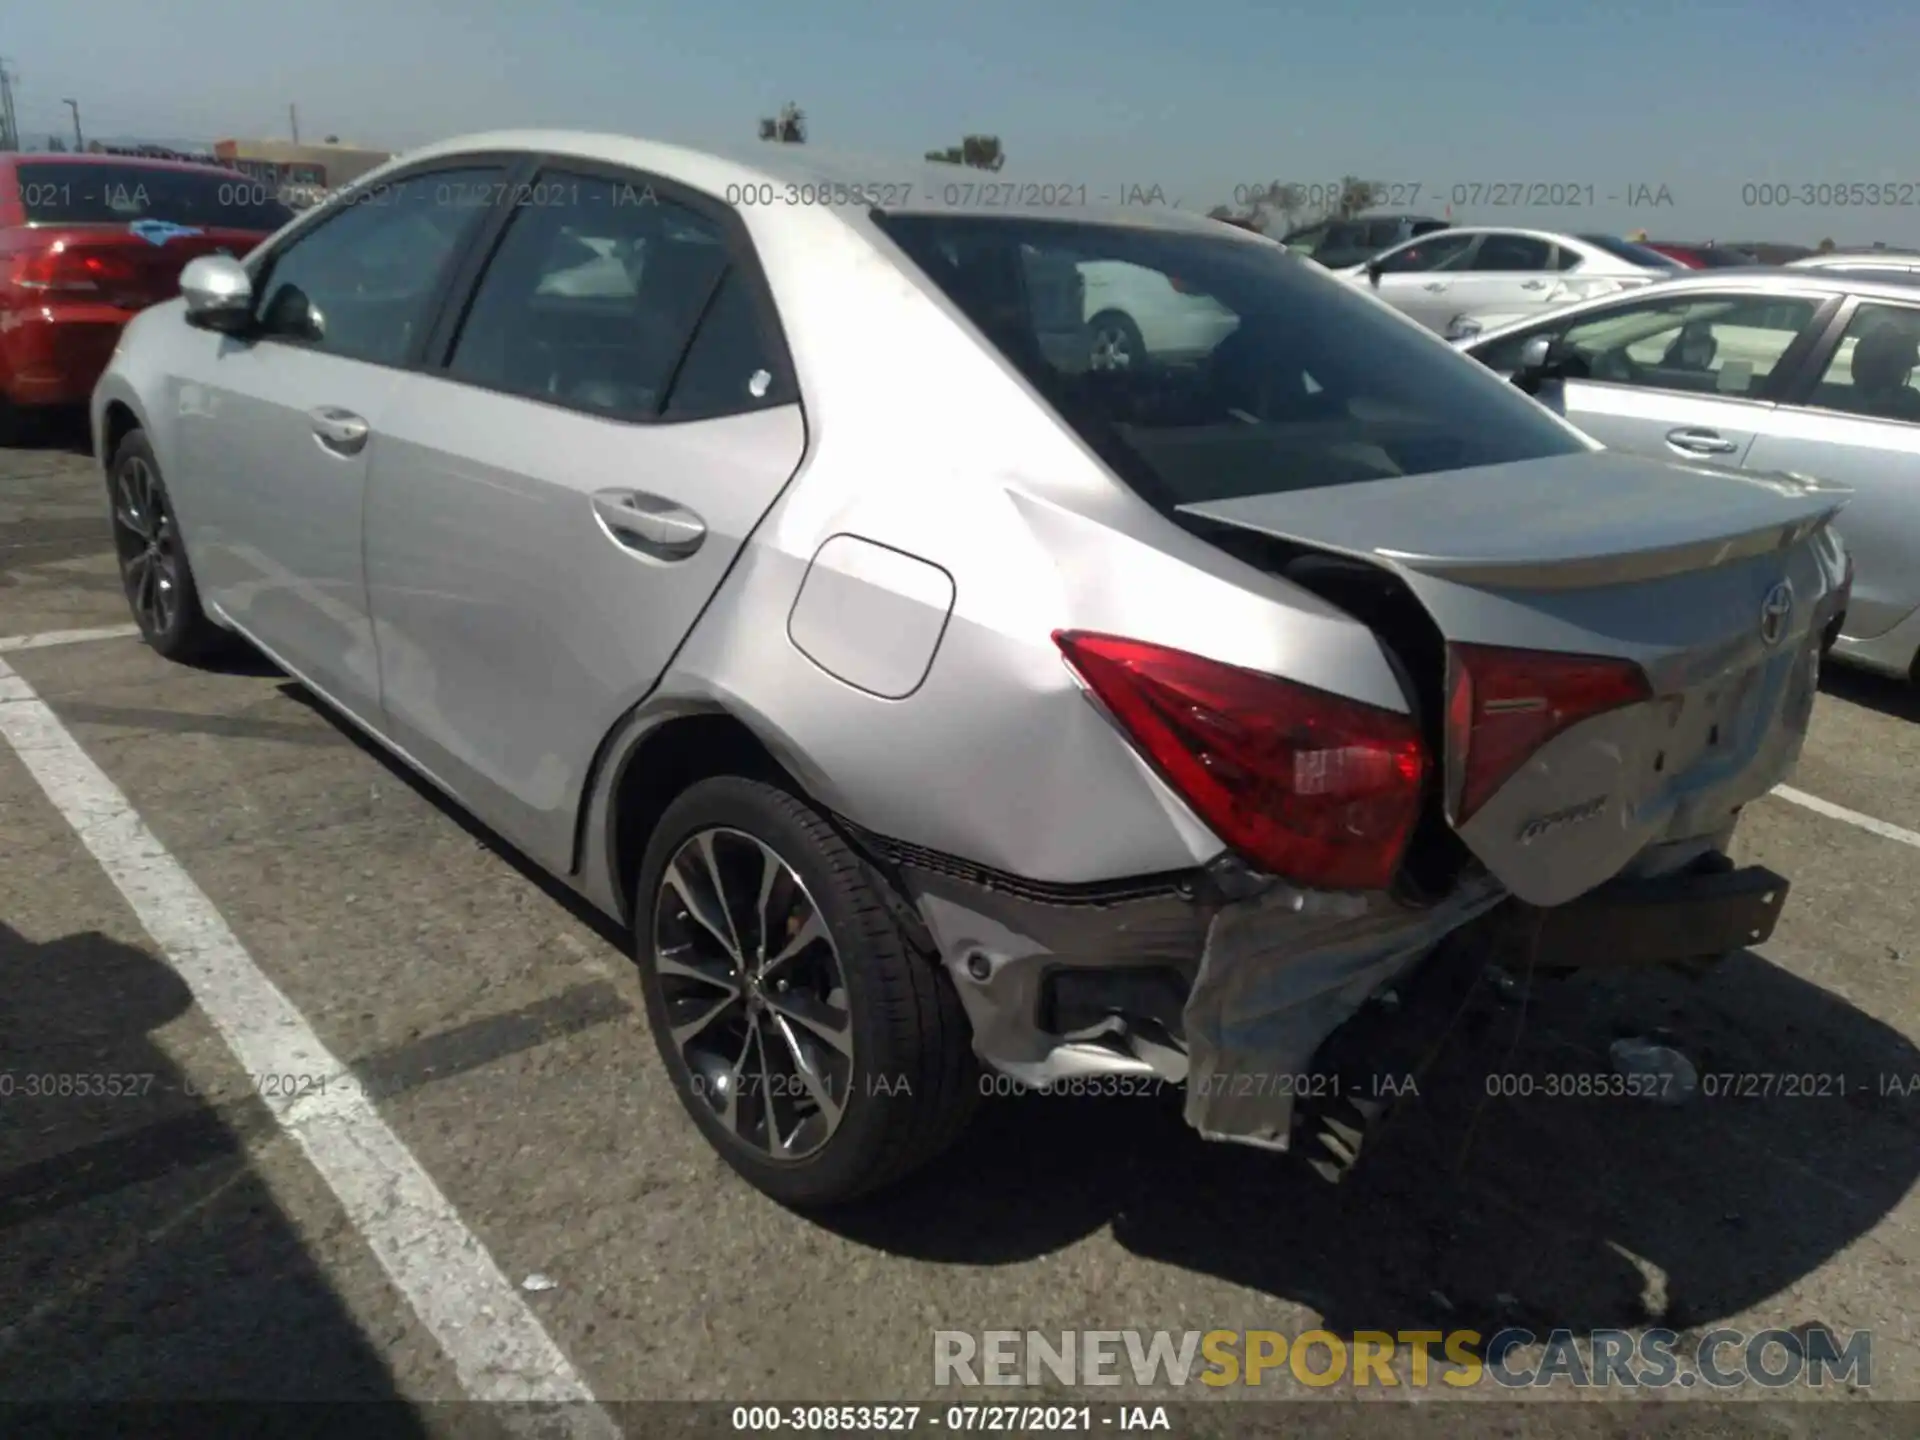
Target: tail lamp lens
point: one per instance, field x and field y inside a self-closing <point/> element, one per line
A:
<point x="1503" y="705"/>
<point x="1322" y="790"/>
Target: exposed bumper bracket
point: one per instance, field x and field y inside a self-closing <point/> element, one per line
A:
<point x="1672" y="919"/>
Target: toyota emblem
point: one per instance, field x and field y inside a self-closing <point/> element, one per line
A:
<point x="1776" y="611"/>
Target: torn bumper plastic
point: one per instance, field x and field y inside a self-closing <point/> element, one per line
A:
<point x="1282" y="972"/>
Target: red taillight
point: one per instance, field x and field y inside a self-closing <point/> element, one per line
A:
<point x="1503" y="705"/>
<point x="1322" y="790"/>
<point x="62" y="267"/>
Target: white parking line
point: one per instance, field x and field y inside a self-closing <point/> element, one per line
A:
<point x="65" y="637"/>
<point x="1852" y="817"/>
<point x="496" y="1343"/>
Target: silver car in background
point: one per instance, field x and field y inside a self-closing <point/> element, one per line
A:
<point x="923" y="703"/>
<point x="1479" y="270"/>
<point x="1815" y="371"/>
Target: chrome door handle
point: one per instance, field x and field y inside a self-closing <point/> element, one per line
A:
<point x="649" y="524"/>
<point x="1534" y="285"/>
<point x="1434" y="285"/>
<point x="1700" y="442"/>
<point x="341" y="431"/>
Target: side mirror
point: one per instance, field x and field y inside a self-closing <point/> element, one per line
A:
<point x="218" y="293"/>
<point x="1375" y="270"/>
<point x="1545" y="360"/>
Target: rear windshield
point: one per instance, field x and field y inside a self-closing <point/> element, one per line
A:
<point x="1208" y="368"/>
<point x="1633" y="254"/>
<point x="57" y="192"/>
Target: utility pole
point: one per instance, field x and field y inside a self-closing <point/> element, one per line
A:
<point x="9" y="129"/>
<point x="79" y="144"/>
<point x="293" y="119"/>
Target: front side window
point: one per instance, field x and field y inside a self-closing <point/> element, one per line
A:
<point x="72" y="192"/>
<point x="1305" y="383"/>
<point x="362" y="283"/>
<point x="1725" y="344"/>
<point x="1872" y="371"/>
<point x="1446" y="250"/>
<point x="591" y="297"/>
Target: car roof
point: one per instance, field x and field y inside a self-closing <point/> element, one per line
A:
<point x="87" y="157"/>
<point x="913" y="187"/>
<point x="1760" y="279"/>
<point x="1856" y="257"/>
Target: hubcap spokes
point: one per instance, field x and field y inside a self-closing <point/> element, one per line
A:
<point x="143" y="535"/>
<point x="756" y="998"/>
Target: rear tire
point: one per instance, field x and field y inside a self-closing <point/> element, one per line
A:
<point x="1114" y="342"/>
<point x="154" y="571"/>
<point x="876" y="1079"/>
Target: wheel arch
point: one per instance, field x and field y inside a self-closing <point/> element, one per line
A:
<point x="654" y="755"/>
<point x="118" y="419"/>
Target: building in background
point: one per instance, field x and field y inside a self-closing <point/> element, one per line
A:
<point x="302" y="173"/>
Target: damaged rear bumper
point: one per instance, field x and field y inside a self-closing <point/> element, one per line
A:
<point x="1232" y="984"/>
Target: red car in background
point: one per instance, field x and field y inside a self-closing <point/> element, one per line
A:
<point x="87" y="242"/>
<point x="1702" y="257"/>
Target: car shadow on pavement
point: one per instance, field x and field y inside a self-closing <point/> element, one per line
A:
<point x="1896" y="699"/>
<point x="1478" y="1211"/>
<point x="1470" y="1209"/>
<point x="141" y="1257"/>
<point x="62" y="431"/>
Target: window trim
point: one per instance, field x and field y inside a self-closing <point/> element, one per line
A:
<point x="1819" y="358"/>
<point x="742" y="260"/>
<point x="261" y="262"/>
<point x="1771" y="392"/>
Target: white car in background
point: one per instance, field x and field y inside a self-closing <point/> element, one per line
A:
<point x="1134" y="314"/>
<point x="1109" y="315"/>
<point x="1469" y="273"/>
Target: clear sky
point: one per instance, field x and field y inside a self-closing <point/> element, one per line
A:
<point x="1704" y="97"/>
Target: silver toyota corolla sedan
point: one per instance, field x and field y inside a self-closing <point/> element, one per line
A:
<point x="1809" y="370"/>
<point x="937" y="707"/>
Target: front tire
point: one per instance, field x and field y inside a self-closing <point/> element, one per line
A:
<point x="154" y="572"/>
<point x="818" y="1052"/>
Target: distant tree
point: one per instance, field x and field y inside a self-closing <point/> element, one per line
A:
<point x="789" y="127"/>
<point x="1357" y="196"/>
<point x="1826" y="247"/>
<point x="981" y="152"/>
<point x="1276" y="208"/>
<point x="56" y="145"/>
<point x="331" y="140"/>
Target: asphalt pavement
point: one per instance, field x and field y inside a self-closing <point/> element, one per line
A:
<point x="470" y="1180"/>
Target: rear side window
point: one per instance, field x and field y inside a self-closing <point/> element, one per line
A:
<point x="1258" y="371"/>
<point x="1513" y="253"/>
<point x="56" y="192"/>
<point x="728" y="368"/>
<point x="1875" y="366"/>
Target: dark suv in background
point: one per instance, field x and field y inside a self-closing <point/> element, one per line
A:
<point x="1340" y="243"/>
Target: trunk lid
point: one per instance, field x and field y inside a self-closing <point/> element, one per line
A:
<point x="1714" y="583"/>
